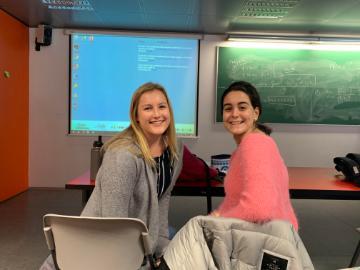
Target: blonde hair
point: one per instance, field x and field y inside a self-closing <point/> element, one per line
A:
<point x="134" y="132"/>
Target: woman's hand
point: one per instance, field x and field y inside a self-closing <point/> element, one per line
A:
<point x="157" y="262"/>
<point x="215" y="213"/>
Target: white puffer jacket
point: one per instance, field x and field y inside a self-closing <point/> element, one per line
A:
<point x="207" y="242"/>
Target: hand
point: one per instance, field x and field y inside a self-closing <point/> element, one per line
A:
<point x="215" y="213"/>
<point x="157" y="262"/>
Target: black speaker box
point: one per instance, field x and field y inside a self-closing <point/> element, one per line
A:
<point x="43" y="35"/>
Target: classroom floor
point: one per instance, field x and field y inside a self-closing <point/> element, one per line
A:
<point x="327" y="227"/>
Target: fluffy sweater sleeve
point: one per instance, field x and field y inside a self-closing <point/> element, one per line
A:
<point x="256" y="186"/>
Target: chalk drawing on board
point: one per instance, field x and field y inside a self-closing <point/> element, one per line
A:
<point x="296" y="86"/>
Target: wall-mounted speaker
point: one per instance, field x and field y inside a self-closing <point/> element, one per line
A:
<point x="43" y="36"/>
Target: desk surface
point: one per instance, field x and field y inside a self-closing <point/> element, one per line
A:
<point x="305" y="183"/>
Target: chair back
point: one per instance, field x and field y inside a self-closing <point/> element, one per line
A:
<point x="96" y="243"/>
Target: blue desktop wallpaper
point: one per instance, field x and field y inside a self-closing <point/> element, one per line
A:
<point x="107" y="69"/>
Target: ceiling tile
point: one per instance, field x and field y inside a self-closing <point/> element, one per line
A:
<point x="174" y="22"/>
<point x="199" y="16"/>
<point x="123" y="20"/>
<point x="116" y="6"/>
<point x="169" y="6"/>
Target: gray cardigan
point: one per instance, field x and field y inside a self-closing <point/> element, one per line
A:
<point x="126" y="187"/>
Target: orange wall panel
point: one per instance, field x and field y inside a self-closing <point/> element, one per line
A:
<point x="14" y="106"/>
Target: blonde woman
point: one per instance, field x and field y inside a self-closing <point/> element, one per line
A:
<point x="140" y="167"/>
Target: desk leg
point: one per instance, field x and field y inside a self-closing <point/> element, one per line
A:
<point x="208" y="186"/>
<point x="208" y="203"/>
<point x="355" y="256"/>
<point x="85" y="196"/>
<point x="208" y="196"/>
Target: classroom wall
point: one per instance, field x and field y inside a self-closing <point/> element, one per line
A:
<point x="14" y="99"/>
<point x="56" y="157"/>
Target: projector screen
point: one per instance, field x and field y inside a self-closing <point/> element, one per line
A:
<point x="105" y="70"/>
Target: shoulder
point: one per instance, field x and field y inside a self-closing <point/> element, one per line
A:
<point x="256" y="146"/>
<point x="180" y="148"/>
<point x="257" y="137"/>
<point x="258" y="140"/>
<point x="125" y="140"/>
<point x="120" y="165"/>
<point x="118" y="152"/>
<point x="124" y="155"/>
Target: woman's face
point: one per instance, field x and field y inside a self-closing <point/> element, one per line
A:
<point x="153" y="114"/>
<point x="239" y="116"/>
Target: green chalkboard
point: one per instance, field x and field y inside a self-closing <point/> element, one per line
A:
<point x="296" y="86"/>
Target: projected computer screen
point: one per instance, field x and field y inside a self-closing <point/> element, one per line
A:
<point x="105" y="70"/>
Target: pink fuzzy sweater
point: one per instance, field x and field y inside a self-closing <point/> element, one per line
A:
<point x="257" y="183"/>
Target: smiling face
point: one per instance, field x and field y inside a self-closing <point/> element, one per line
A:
<point x="239" y="116"/>
<point x="153" y="114"/>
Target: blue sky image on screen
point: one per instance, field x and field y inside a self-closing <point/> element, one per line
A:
<point x="107" y="69"/>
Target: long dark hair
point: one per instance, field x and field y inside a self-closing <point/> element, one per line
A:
<point x="254" y="97"/>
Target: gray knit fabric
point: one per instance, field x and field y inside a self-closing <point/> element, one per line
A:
<point x="126" y="187"/>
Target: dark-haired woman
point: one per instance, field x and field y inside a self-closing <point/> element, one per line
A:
<point x="256" y="185"/>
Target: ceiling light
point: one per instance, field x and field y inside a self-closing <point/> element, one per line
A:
<point x="294" y="42"/>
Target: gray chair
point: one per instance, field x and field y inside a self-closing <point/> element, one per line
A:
<point x="356" y="253"/>
<point x="97" y="243"/>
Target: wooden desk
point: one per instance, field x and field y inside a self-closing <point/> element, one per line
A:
<point x="83" y="183"/>
<point x="305" y="183"/>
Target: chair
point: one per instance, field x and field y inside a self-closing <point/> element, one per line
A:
<point x="97" y="243"/>
<point x="356" y="253"/>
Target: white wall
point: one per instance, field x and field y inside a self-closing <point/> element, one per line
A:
<point x="56" y="157"/>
